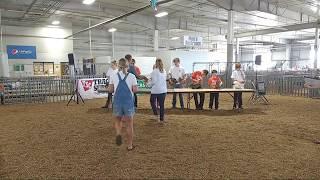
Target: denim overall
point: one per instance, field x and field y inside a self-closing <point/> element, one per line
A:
<point x="123" y="104"/>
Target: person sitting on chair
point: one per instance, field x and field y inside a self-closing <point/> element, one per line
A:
<point x="238" y="77"/>
<point x="214" y="83"/>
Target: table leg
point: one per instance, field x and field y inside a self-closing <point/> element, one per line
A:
<point x="188" y="101"/>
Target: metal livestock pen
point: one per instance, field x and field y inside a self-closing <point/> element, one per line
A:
<point x="38" y="89"/>
<point x="56" y="89"/>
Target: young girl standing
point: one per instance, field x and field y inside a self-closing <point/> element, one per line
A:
<point x="214" y="83"/>
<point x="123" y="84"/>
<point x="238" y="77"/>
<point x="158" y="89"/>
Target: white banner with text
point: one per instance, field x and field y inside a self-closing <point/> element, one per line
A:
<point x="89" y="88"/>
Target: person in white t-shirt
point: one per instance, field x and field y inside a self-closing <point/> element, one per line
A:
<point x="111" y="71"/>
<point x="238" y="77"/>
<point x="177" y="78"/>
<point x="123" y="84"/>
<point x="158" y="85"/>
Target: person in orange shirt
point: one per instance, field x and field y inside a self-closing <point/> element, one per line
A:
<point x="196" y="84"/>
<point x="214" y="83"/>
<point x="138" y="70"/>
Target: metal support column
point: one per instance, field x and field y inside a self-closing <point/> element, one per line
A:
<point x="288" y="55"/>
<point x="113" y="45"/>
<point x="237" y="54"/>
<point x="229" y="48"/>
<point x="1" y="40"/>
<point x="90" y="39"/>
<point x="316" y="47"/>
<point x="4" y="64"/>
<point x="156" y="35"/>
<point x="1" y="47"/>
<point x="156" y="40"/>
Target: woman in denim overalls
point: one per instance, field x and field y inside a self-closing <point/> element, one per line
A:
<point x="123" y="84"/>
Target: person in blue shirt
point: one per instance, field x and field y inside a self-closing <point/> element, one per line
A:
<point x="132" y="70"/>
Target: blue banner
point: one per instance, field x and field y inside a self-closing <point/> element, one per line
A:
<point x="21" y="52"/>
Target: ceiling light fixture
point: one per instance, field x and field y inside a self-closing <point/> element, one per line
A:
<point x="280" y="28"/>
<point x="161" y="14"/>
<point x="55" y="22"/>
<point x="53" y="26"/>
<point x="88" y="2"/>
<point x="175" y="38"/>
<point x="112" y="30"/>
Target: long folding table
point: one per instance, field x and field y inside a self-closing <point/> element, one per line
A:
<point x="189" y="91"/>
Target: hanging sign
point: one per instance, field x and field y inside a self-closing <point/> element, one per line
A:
<point x="192" y="40"/>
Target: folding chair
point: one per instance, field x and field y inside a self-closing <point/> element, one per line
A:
<point x="259" y="94"/>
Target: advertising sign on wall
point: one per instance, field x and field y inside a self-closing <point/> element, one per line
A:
<point x="89" y="88"/>
<point x="192" y="40"/>
<point x="21" y="52"/>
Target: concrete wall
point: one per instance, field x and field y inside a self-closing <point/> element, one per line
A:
<point x="248" y="57"/>
<point x="51" y="47"/>
<point x="302" y="57"/>
<point x="48" y="41"/>
<point x="293" y="57"/>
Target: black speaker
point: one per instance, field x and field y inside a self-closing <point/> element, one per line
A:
<point x="258" y="60"/>
<point x="71" y="59"/>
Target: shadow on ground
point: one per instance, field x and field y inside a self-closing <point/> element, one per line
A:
<point x="221" y="112"/>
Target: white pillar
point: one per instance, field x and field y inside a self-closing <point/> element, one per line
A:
<point x="156" y="40"/>
<point x="4" y="64"/>
<point x="230" y="26"/>
<point x="288" y="55"/>
<point x="230" y="47"/>
<point x="90" y="39"/>
<point x="1" y="40"/>
<point x="237" y="50"/>
<point x="316" y="47"/>
<point x="113" y="45"/>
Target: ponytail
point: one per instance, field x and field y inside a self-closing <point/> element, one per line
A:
<point x="123" y="65"/>
<point x="159" y="65"/>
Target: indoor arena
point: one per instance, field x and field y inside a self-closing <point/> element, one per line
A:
<point x="159" y="89"/>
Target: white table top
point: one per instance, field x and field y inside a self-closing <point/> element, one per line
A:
<point x="189" y="90"/>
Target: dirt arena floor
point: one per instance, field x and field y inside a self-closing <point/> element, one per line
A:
<point x="262" y="142"/>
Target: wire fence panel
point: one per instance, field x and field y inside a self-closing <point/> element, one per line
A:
<point x="37" y="89"/>
<point x="56" y="89"/>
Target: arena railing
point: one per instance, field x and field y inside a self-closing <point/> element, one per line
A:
<point x="46" y="89"/>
